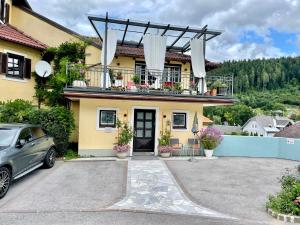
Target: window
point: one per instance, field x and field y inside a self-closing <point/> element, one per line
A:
<point x="107" y="118"/>
<point x="26" y="135"/>
<point x="15" y="66"/>
<point x="179" y="121"/>
<point x="2" y="10"/>
<point x="37" y="132"/>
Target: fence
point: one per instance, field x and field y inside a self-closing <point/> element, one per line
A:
<point x="270" y="147"/>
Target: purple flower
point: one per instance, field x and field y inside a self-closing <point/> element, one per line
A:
<point x="165" y="148"/>
<point x="121" y="148"/>
<point x="210" y="137"/>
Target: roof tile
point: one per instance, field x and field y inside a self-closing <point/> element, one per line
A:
<point x="10" y="33"/>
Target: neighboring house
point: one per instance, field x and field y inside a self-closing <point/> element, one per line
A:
<point x="144" y="107"/>
<point x="266" y="125"/>
<point x="24" y="34"/>
<point x="226" y="129"/>
<point x="292" y="131"/>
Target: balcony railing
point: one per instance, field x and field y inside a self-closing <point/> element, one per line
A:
<point x="166" y="82"/>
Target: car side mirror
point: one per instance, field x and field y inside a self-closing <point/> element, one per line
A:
<point x="20" y="143"/>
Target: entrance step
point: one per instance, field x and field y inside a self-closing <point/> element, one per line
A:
<point x="144" y="157"/>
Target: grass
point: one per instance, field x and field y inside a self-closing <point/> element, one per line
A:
<point x="70" y="154"/>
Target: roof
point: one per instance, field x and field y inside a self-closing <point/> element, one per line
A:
<point x="282" y="121"/>
<point x="12" y="34"/>
<point x="206" y="120"/>
<point x="138" y="52"/>
<point x="262" y="121"/>
<point x="225" y="129"/>
<point x="292" y="131"/>
<point x="23" y="3"/>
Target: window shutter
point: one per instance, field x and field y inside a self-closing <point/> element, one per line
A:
<point x="3" y="63"/>
<point x="27" y="69"/>
<point x="7" y="8"/>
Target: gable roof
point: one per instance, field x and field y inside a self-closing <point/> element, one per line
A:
<point x="262" y="121"/>
<point x="23" y="3"/>
<point x="12" y="34"/>
<point x="292" y="131"/>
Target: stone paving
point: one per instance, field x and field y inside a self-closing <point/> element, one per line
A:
<point x="151" y="187"/>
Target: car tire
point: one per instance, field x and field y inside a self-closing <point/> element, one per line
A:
<point x="5" y="180"/>
<point x="49" y="160"/>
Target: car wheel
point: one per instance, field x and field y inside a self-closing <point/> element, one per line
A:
<point x="5" y="178"/>
<point x="49" y="160"/>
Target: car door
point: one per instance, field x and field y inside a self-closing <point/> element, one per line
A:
<point x="23" y="154"/>
<point x="41" y="144"/>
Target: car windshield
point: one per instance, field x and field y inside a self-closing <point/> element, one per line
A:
<point x="6" y="136"/>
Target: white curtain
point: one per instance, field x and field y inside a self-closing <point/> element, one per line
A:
<point x="112" y="38"/>
<point x="155" y="53"/>
<point x="198" y="62"/>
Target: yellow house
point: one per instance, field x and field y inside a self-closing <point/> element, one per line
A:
<point x="130" y="95"/>
<point x="24" y="34"/>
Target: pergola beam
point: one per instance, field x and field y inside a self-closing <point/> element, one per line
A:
<point x="177" y="39"/>
<point x="198" y="35"/>
<point x="125" y="31"/>
<point x="165" y="30"/>
<point x="91" y="21"/>
<point x="156" y="26"/>
<point x="138" y="45"/>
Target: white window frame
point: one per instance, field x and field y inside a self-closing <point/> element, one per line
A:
<point x="187" y="117"/>
<point x="98" y="118"/>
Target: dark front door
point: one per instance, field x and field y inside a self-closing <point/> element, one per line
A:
<point x="144" y="127"/>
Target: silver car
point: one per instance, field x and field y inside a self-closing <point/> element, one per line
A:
<point x="23" y="148"/>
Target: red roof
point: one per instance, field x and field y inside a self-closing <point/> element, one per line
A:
<point x="10" y="33"/>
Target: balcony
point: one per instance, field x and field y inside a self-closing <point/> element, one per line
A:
<point x="142" y="82"/>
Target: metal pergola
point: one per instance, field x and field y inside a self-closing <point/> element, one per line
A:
<point x="131" y="26"/>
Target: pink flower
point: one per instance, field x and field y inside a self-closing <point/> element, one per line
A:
<point x="121" y="148"/>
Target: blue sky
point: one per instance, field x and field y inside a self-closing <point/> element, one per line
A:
<point x="252" y="28"/>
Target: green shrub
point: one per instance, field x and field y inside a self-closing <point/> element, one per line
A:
<point x="58" y="122"/>
<point x="70" y="154"/>
<point x="15" y="111"/>
<point x="287" y="201"/>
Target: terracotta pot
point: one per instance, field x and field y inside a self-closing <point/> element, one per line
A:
<point x="165" y="154"/>
<point x="208" y="153"/>
<point x="213" y="92"/>
<point x="122" y="155"/>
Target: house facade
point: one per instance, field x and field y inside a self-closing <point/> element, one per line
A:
<point x="266" y="125"/>
<point x="25" y="34"/>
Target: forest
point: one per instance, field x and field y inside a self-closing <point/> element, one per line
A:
<point x="261" y="86"/>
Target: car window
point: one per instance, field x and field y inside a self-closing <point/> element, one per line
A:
<point x="26" y="135"/>
<point x="37" y="132"/>
<point x="6" y="136"/>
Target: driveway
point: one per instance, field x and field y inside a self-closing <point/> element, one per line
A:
<point x="238" y="187"/>
<point x="69" y="186"/>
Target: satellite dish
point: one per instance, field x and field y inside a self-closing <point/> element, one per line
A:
<point x="43" y="69"/>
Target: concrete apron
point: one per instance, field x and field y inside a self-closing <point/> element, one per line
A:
<point x="151" y="187"/>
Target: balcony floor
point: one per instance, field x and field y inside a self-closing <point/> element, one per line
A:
<point x="149" y="95"/>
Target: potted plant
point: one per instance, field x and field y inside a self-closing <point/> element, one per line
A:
<point x="177" y="88"/>
<point x="222" y="90"/>
<point x="119" y="79"/>
<point x="125" y="135"/>
<point x="136" y="79"/>
<point x="210" y="138"/>
<point x="164" y="142"/>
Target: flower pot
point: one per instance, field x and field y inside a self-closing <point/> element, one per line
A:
<point x="194" y="92"/>
<point x="213" y="92"/>
<point x="222" y="91"/>
<point x="122" y="155"/>
<point x="208" y="153"/>
<point x="207" y="93"/>
<point x="165" y="154"/>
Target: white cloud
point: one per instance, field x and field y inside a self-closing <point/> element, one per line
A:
<point x="232" y="16"/>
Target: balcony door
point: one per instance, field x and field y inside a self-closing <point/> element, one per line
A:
<point x="144" y="127"/>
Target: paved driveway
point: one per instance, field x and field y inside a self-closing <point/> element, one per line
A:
<point x="69" y="186"/>
<point x="235" y="186"/>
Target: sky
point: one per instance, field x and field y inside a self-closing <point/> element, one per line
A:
<point x="251" y="28"/>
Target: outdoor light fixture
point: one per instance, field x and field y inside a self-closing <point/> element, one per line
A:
<point x="164" y="116"/>
<point x="125" y="115"/>
<point x="118" y="64"/>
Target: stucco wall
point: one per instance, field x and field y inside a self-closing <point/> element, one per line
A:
<point x="39" y="29"/>
<point x="269" y="147"/>
<point x="11" y="89"/>
<point x="100" y="142"/>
